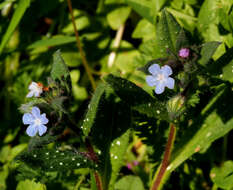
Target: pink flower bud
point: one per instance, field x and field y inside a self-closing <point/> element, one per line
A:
<point x="184" y="52"/>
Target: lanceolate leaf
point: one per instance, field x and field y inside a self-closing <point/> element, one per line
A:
<point x="93" y="109"/>
<point x="59" y="69"/>
<point x="55" y="159"/>
<point x="110" y="133"/>
<point x="137" y="98"/>
<point x="167" y="32"/>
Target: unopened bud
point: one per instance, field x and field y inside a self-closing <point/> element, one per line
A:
<point x="184" y="52"/>
<point x="175" y="106"/>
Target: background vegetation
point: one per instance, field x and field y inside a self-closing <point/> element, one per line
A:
<point x="118" y="37"/>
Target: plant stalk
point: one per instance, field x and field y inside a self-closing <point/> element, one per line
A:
<point x="166" y="158"/>
<point x="83" y="57"/>
<point x="98" y="181"/>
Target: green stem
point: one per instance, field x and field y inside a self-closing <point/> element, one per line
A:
<point x="224" y="148"/>
<point x="165" y="162"/>
<point x="79" y="182"/>
<point x="83" y="57"/>
<point x="100" y="6"/>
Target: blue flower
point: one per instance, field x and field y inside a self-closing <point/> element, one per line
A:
<point x="160" y="78"/>
<point x="36" y="122"/>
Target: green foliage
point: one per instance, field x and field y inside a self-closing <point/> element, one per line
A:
<point x="55" y="159"/>
<point x="19" y="12"/>
<point x="143" y="8"/>
<point x="93" y="108"/>
<point x="129" y="183"/>
<point x="223" y="176"/>
<point x="166" y="34"/>
<point x="137" y="98"/>
<point x="207" y="52"/>
<point x="30" y="185"/>
<point x="202" y="133"/>
<point x="117" y="131"/>
<point x="59" y="69"/>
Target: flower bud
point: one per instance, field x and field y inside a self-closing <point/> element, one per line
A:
<point x="175" y="106"/>
<point x="184" y="52"/>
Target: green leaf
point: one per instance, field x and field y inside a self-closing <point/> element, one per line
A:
<point x="129" y="183"/>
<point x="223" y="176"/>
<point x="167" y="32"/>
<point x="19" y="12"/>
<point x="222" y="68"/>
<point x="117" y="151"/>
<point x="137" y="98"/>
<point x="207" y="51"/>
<point x="203" y="133"/>
<point x="93" y="109"/>
<point x="30" y="185"/>
<point x="54" y="41"/>
<point x="227" y="72"/>
<point x="208" y="14"/>
<point x="118" y="17"/>
<point x="59" y="68"/>
<point x="143" y="8"/>
<point x="36" y="142"/>
<point x="181" y="41"/>
<point x="110" y="134"/>
<point x="55" y="159"/>
<point x="144" y="29"/>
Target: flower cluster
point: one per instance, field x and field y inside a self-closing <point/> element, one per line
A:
<point x="160" y="78"/>
<point x="34" y="119"/>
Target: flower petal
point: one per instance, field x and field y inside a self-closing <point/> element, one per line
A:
<point x="33" y="86"/>
<point x="42" y="129"/>
<point x="37" y="93"/>
<point x="31" y="130"/>
<point x="159" y="88"/>
<point x="166" y="70"/>
<point x="35" y="111"/>
<point x="170" y="82"/>
<point x="154" y="69"/>
<point x="30" y="94"/>
<point x="151" y="81"/>
<point x="28" y="119"/>
<point x="44" y="119"/>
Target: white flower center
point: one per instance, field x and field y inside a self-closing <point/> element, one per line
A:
<point x="37" y="121"/>
<point x="161" y="77"/>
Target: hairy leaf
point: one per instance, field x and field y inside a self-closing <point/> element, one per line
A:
<point x="167" y="32"/>
<point x="137" y="98"/>
<point x="55" y="159"/>
<point x="59" y="68"/>
<point x="93" y="109"/>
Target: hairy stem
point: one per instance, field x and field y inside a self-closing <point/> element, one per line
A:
<point x="166" y="158"/>
<point x="83" y="57"/>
